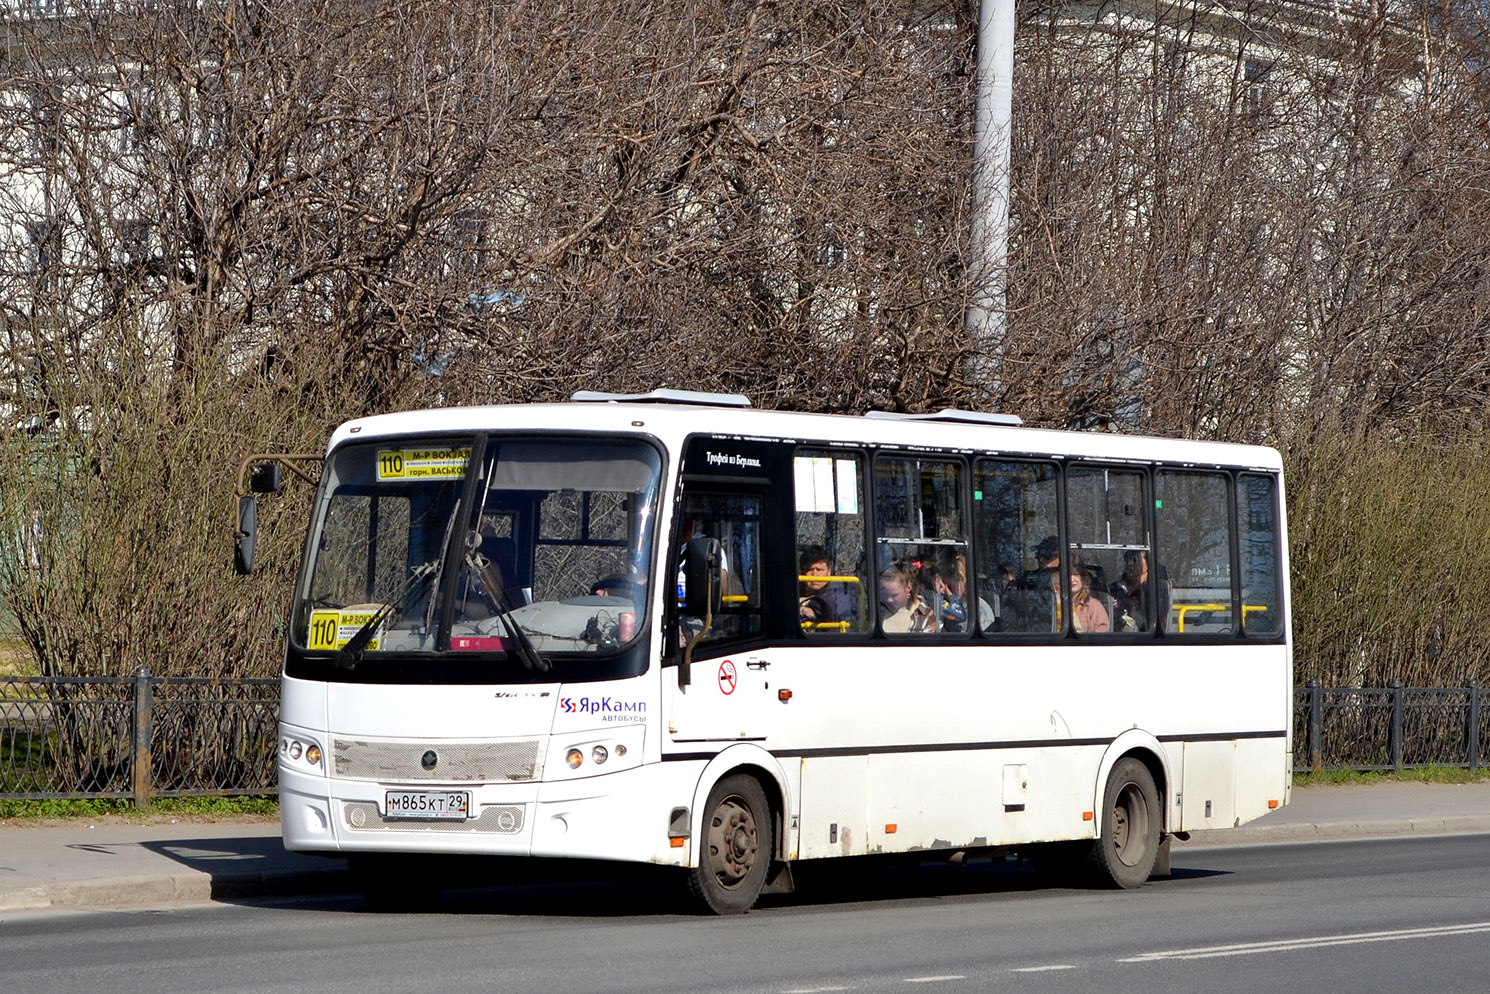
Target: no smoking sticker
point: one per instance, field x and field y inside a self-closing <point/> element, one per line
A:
<point x="727" y="677"/>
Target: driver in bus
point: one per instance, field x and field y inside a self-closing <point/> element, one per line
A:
<point x="821" y="601"/>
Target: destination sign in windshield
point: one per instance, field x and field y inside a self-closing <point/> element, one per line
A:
<point x="422" y="464"/>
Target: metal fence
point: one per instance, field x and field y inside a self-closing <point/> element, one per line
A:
<point x="1388" y="728"/>
<point x="136" y="737"/>
<point x="143" y="736"/>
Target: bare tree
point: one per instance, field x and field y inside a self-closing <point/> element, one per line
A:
<point x="230" y="226"/>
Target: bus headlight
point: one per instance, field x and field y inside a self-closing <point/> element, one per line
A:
<point x="297" y="749"/>
<point x="608" y="751"/>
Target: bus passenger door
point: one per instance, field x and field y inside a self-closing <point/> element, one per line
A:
<point x="725" y="698"/>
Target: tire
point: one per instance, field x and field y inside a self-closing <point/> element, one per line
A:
<point x="736" y="847"/>
<point x="1125" y="850"/>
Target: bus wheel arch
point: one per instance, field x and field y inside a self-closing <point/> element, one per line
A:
<point x="1144" y="747"/>
<point x="735" y="847"/>
<point x="739" y="837"/>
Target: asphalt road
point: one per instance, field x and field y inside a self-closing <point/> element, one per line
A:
<point x="1409" y="914"/>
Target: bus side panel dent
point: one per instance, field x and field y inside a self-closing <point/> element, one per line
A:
<point x="305" y="819"/>
<point x="748" y="758"/>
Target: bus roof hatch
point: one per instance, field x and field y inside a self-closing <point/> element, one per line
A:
<point x="951" y="414"/>
<point x="663" y="396"/>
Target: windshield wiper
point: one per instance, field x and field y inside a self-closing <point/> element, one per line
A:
<point x="349" y="655"/>
<point x="532" y="660"/>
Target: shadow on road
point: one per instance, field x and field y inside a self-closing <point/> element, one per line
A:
<point x="256" y="869"/>
<point x="250" y="867"/>
<point x="583" y="889"/>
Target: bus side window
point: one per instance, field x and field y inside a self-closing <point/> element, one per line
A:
<point x="1193" y="550"/>
<point x="1015" y="524"/>
<point x="1107" y="545"/>
<point x="1257" y="509"/>
<point x="734" y="520"/>
<point x="832" y="595"/>
<point x="921" y="547"/>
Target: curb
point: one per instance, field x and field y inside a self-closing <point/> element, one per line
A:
<point x="1339" y="830"/>
<point x="148" y="890"/>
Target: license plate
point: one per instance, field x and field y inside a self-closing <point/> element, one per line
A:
<point x="431" y="804"/>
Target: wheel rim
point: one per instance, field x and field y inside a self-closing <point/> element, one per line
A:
<point x="1130" y="825"/>
<point x="734" y="841"/>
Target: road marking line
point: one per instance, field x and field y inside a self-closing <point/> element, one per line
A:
<point x="932" y="980"/>
<point x="815" y="990"/>
<point x="1312" y="942"/>
<point x="1043" y="969"/>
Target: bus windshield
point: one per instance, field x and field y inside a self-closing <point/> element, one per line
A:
<point x="543" y="555"/>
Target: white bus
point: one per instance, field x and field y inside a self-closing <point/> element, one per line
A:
<point x="671" y="629"/>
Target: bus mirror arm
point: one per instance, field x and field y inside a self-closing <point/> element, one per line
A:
<point x="685" y="665"/>
<point x="259" y="474"/>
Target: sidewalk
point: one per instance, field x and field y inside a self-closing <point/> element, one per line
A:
<point x="1363" y="811"/>
<point x="115" y="863"/>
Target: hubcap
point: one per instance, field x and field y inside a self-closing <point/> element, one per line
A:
<point x="1130" y="825"/>
<point x="733" y="841"/>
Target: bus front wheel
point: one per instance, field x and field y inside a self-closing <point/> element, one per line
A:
<point x="1131" y="822"/>
<point x="736" y="847"/>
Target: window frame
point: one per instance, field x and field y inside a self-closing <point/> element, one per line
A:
<point x="964" y="461"/>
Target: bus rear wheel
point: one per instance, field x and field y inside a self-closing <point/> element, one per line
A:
<point x="1128" y="845"/>
<point x="736" y="850"/>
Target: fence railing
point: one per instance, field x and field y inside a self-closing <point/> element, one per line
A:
<point x="1389" y="728"/>
<point x="143" y="736"/>
<point x="137" y="737"/>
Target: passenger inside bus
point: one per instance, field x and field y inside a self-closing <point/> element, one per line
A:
<point x="949" y="581"/>
<point x="1030" y="602"/>
<point x="901" y="608"/>
<point x="1130" y="595"/>
<point x="1089" y="612"/>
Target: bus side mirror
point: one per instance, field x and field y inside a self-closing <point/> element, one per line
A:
<point x="246" y="534"/>
<point x="265" y="478"/>
<point x="701" y="577"/>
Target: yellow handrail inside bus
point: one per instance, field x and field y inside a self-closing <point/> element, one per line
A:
<point x="826" y="626"/>
<point x="829" y="626"/>
<point x="1183" y="609"/>
<point x="809" y="578"/>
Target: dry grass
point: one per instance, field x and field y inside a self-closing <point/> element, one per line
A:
<point x="16" y="661"/>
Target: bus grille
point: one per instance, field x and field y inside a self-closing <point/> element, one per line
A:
<point x="456" y="762"/>
<point x="495" y="819"/>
